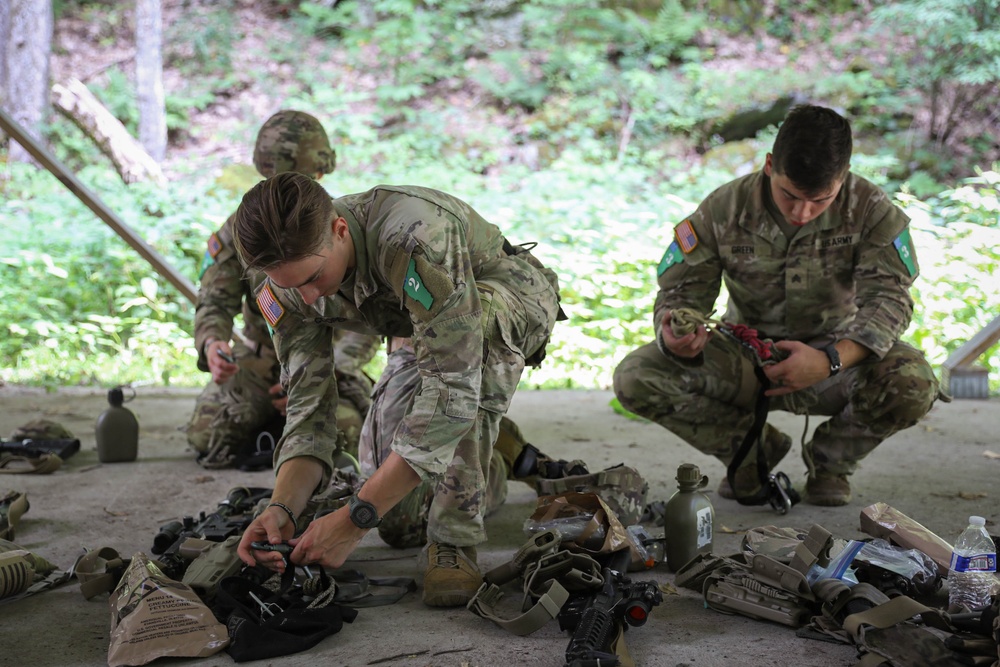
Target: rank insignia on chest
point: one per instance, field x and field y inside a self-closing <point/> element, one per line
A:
<point x="672" y="256"/>
<point x="270" y="307"/>
<point x="414" y="286"/>
<point x="214" y="246"/>
<point x="686" y="237"/>
<point x="904" y="247"/>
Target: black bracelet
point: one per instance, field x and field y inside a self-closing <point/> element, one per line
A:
<point x="291" y="514"/>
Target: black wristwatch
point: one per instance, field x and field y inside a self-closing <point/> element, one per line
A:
<point x="363" y="513"/>
<point x="834" y="356"/>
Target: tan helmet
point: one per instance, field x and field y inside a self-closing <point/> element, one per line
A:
<point x="293" y="141"/>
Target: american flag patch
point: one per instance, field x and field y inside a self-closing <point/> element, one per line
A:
<point x="269" y="306"/>
<point x="214" y="246"/>
<point x="686" y="237"/>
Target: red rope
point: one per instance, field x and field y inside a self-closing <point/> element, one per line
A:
<point x="765" y="350"/>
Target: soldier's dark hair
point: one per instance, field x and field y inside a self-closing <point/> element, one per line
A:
<point x="283" y="219"/>
<point x="813" y="148"/>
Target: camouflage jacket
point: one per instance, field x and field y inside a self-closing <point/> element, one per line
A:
<point x="845" y="274"/>
<point x="223" y="293"/>
<point x="419" y="254"/>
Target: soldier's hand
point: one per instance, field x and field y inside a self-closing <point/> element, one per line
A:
<point x="218" y="354"/>
<point x="328" y="540"/>
<point x="272" y="526"/>
<point x="687" y="346"/>
<point x="804" y="367"/>
<point x="279" y="399"/>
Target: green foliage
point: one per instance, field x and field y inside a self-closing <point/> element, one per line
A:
<point x="957" y="236"/>
<point x="613" y="117"/>
<point x="954" y="55"/>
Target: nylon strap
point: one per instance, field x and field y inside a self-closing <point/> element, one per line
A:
<point x="544" y="610"/>
<point x="99" y="571"/>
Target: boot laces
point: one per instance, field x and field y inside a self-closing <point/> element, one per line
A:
<point x="446" y="555"/>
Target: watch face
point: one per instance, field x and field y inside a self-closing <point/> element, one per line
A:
<point x="364" y="514"/>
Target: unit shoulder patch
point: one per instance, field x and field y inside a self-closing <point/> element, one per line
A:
<point x="686" y="237"/>
<point x="673" y="255"/>
<point x="270" y="307"/>
<point x="414" y="287"/>
<point x="904" y="247"/>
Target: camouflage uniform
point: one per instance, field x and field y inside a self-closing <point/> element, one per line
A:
<point x="235" y="412"/>
<point x="476" y="309"/>
<point x="405" y="525"/>
<point x="846" y="274"/>
<point x="240" y="408"/>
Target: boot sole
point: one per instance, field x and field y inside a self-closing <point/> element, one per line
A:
<point x="453" y="598"/>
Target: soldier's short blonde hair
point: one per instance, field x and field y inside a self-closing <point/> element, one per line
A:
<point x="283" y="219"/>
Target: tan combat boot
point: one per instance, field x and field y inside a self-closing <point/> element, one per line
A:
<point x="452" y="576"/>
<point x="746" y="476"/>
<point x="828" y="490"/>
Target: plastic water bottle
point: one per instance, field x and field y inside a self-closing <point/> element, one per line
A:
<point x="688" y="518"/>
<point x="973" y="567"/>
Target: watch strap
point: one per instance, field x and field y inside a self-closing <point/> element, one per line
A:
<point x="835" y="364"/>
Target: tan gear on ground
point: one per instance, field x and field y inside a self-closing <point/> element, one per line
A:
<point x="293" y="141"/>
<point x="41" y="429"/>
<point x="452" y="576"/>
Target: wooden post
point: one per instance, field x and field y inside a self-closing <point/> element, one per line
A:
<point x="67" y="178"/>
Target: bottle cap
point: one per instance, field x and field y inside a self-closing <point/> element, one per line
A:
<point x="116" y="397"/>
<point x="688" y="474"/>
<point x="977" y="521"/>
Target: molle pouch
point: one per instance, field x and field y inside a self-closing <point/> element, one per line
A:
<point x="765" y="589"/>
<point x="217" y="561"/>
<point x="622" y="488"/>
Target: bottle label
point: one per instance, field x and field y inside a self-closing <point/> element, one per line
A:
<point x="704" y="518"/>
<point x="977" y="563"/>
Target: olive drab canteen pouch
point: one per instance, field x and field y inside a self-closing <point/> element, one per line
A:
<point x="621" y="487"/>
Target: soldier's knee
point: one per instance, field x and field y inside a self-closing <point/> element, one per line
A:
<point x="632" y="387"/>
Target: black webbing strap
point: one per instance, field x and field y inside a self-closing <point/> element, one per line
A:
<point x="775" y="488"/>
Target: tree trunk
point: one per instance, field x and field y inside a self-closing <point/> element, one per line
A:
<point x="4" y="40"/>
<point x="149" y="78"/>
<point x="28" y="42"/>
<point x="78" y="104"/>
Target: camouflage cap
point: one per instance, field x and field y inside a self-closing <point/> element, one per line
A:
<point x="41" y="429"/>
<point x="293" y="141"/>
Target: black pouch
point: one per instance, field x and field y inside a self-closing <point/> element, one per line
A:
<point x="274" y="624"/>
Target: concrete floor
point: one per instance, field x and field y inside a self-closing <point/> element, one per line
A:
<point x="937" y="472"/>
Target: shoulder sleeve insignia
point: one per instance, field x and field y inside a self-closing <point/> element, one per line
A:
<point x="414" y="286"/>
<point x="270" y="307"/>
<point x="686" y="237"/>
<point x="214" y="246"/>
<point x="904" y="246"/>
<point x="672" y="256"/>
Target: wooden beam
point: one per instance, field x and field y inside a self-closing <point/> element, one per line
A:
<point x="975" y="346"/>
<point x="67" y="178"/>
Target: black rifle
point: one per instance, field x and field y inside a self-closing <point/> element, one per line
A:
<point x="598" y="618"/>
<point x="231" y="517"/>
<point x="33" y="449"/>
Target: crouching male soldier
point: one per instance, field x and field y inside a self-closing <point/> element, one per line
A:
<point x="245" y="396"/>
<point x="400" y="261"/>
<point x="817" y="259"/>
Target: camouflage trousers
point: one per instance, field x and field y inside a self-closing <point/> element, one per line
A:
<point x="709" y="404"/>
<point x="237" y="411"/>
<point x="432" y="508"/>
